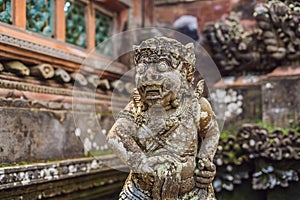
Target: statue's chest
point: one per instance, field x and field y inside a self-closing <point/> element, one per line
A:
<point x="161" y="131"/>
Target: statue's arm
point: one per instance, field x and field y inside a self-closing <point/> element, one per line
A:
<point x="208" y="131"/>
<point x="120" y="139"/>
<point x="209" y="136"/>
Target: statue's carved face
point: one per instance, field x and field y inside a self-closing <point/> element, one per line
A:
<point x="164" y="71"/>
<point x="157" y="81"/>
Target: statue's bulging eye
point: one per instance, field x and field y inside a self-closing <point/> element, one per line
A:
<point x="162" y="66"/>
<point x="140" y="68"/>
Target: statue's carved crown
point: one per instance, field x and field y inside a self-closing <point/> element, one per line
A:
<point x="182" y="57"/>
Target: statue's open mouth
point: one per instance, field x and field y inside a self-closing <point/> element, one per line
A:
<point x="152" y="92"/>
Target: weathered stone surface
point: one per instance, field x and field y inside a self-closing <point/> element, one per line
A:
<point x="31" y="135"/>
<point x="34" y="135"/>
<point x="281" y="101"/>
<point x="273" y="42"/>
<point x="242" y="100"/>
<point x="1" y="67"/>
<point x="62" y="75"/>
<point x="93" y="80"/>
<point x="269" y="156"/>
<point x="45" y="71"/>
<point x="79" y="79"/>
<point x="101" y="184"/>
<point x="38" y="127"/>
<point x="167" y="127"/>
<point x="30" y="174"/>
<point x="17" y="67"/>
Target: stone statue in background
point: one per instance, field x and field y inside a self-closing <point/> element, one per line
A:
<point x="273" y="42"/>
<point x="167" y="135"/>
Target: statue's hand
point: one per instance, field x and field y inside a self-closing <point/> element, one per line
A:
<point x="205" y="173"/>
<point x="145" y="168"/>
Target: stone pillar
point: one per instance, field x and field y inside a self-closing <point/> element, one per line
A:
<point x="281" y="98"/>
<point x="242" y="100"/>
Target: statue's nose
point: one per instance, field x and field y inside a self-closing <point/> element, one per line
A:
<point x="152" y="75"/>
<point x="155" y="77"/>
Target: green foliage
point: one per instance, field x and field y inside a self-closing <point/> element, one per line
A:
<point x="230" y="149"/>
<point x="272" y="128"/>
<point x="226" y="134"/>
<point x="3" y="165"/>
<point x="14" y="164"/>
<point x="266" y="126"/>
<point x="99" y="153"/>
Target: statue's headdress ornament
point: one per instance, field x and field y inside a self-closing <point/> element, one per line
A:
<point x="182" y="57"/>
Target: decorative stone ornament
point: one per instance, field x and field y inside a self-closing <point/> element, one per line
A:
<point x="168" y="134"/>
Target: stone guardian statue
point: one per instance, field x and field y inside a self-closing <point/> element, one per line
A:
<point x="168" y="134"/>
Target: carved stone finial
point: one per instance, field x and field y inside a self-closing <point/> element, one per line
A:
<point x="45" y="71"/>
<point x="1" y="67"/>
<point x="93" y="80"/>
<point x="104" y="84"/>
<point x="17" y="67"/>
<point x="62" y="75"/>
<point x="79" y="78"/>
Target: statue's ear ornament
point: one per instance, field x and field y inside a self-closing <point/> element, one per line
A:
<point x="137" y="101"/>
<point x="200" y="89"/>
<point x="190" y="46"/>
<point x="136" y="48"/>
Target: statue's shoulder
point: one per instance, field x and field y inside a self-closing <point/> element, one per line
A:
<point x="205" y="105"/>
<point x="206" y="115"/>
<point x="130" y="107"/>
<point x="206" y="111"/>
<point x="128" y="112"/>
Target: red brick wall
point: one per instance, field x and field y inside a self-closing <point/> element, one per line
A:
<point x="205" y="11"/>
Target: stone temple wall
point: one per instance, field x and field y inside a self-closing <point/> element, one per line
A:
<point x="258" y="154"/>
<point x="53" y="99"/>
